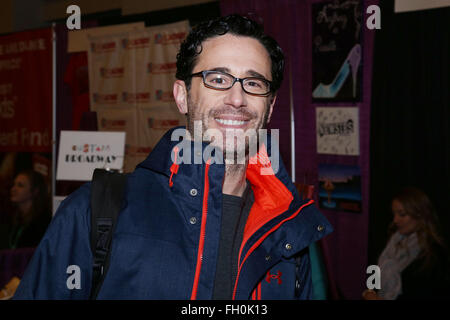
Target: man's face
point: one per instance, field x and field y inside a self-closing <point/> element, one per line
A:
<point x="231" y="109"/>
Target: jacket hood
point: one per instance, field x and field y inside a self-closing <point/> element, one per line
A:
<point x="190" y="152"/>
<point x="273" y="189"/>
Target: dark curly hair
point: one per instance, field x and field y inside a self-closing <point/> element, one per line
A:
<point x="235" y="25"/>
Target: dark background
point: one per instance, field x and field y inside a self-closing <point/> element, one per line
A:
<point x="410" y="115"/>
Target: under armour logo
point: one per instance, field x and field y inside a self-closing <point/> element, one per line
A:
<point x="277" y="276"/>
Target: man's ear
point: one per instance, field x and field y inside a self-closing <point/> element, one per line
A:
<point x="180" y="95"/>
<point x="272" y="103"/>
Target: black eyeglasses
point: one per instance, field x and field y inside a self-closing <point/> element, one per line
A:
<point x="223" y="81"/>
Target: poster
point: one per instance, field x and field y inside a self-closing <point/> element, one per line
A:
<point x="337" y="130"/>
<point x="131" y="84"/>
<point x="337" y="51"/>
<point x="154" y="122"/>
<point x="122" y="120"/>
<point x="78" y="40"/>
<point x="26" y="115"/>
<point x="340" y="187"/>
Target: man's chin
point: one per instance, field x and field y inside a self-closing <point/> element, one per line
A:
<point x="236" y="154"/>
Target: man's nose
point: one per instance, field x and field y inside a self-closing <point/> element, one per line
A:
<point x="236" y="96"/>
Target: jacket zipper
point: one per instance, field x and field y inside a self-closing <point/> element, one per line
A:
<point x="202" y="233"/>
<point x="260" y="240"/>
<point x="256" y="294"/>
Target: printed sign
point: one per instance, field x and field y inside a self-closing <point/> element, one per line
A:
<point x="337" y="130"/>
<point x="80" y="152"/>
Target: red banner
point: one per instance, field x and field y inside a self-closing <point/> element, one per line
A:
<point x="26" y="91"/>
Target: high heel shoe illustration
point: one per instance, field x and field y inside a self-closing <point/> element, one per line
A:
<point x="350" y="64"/>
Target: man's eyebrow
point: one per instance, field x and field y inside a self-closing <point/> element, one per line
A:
<point x="251" y="73"/>
<point x="221" y="69"/>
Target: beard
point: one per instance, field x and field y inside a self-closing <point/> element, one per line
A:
<point x="236" y="144"/>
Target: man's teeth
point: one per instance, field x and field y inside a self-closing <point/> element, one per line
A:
<point x="231" y="122"/>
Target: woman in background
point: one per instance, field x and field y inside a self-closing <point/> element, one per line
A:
<point x="415" y="262"/>
<point x="31" y="216"/>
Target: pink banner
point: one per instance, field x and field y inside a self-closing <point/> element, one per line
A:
<point x="26" y="91"/>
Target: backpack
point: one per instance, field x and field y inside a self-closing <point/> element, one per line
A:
<point x="107" y="195"/>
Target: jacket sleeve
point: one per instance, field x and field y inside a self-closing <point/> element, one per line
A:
<point x="61" y="265"/>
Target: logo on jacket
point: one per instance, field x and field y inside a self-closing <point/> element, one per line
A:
<point x="277" y="276"/>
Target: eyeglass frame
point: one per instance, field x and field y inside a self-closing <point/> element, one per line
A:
<point x="235" y="79"/>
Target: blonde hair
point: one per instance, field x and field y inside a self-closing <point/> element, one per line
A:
<point x="418" y="206"/>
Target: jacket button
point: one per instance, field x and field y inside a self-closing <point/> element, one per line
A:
<point x="268" y="258"/>
<point x="193" y="220"/>
<point x="288" y="246"/>
<point x="320" y="228"/>
<point x="193" y="192"/>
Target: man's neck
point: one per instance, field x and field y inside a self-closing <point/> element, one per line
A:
<point x="235" y="179"/>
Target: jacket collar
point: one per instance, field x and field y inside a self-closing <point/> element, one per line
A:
<point x="160" y="158"/>
<point x="273" y="192"/>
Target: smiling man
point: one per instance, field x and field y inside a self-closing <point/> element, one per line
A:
<point x="214" y="97"/>
<point x="198" y="230"/>
<point x="248" y="105"/>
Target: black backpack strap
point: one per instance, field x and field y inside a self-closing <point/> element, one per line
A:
<point x="107" y="193"/>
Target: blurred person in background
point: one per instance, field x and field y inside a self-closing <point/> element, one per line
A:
<point x="415" y="262"/>
<point x="31" y="212"/>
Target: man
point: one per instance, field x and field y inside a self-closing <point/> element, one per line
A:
<point x="198" y="230"/>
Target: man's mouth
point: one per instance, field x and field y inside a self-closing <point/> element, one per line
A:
<point x="231" y="122"/>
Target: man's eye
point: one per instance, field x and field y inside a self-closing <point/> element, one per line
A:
<point x="219" y="80"/>
<point x="256" y="84"/>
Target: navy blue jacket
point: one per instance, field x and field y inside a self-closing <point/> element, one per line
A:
<point x="160" y="252"/>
